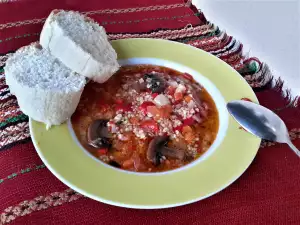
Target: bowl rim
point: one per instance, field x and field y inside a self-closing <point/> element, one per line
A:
<point x="212" y="90"/>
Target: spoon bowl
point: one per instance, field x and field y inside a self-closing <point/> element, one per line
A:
<point x="261" y="122"/>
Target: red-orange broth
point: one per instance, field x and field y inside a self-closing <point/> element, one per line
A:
<point x="146" y="119"/>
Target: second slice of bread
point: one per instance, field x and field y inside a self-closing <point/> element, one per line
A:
<point x="79" y="43"/>
<point x="46" y="90"/>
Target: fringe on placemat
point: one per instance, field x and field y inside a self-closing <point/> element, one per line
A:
<point x="288" y="95"/>
<point x="210" y="38"/>
<point x="256" y="73"/>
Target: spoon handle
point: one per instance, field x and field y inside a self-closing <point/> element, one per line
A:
<point x="293" y="147"/>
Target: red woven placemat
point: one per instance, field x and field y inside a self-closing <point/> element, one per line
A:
<point x="268" y="192"/>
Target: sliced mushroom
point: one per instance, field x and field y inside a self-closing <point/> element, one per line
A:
<point x="196" y="98"/>
<point x="157" y="149"/>
<point x="114" y="164"/>
<point x="155" y="83"/>
<point x="172" y="153"/>
<point x="98" y="135"/>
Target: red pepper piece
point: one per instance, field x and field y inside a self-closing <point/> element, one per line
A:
<point x="144" y="105"/>
<point x="123" y="107"/>
<point x="154" y="95"/>
<point x="188" y="122"/>
<point x="150" y="125"/>
<point x="179" y="128"/>
<point x="171" y="90"/>
<point x="178" y="96"/>
<point x="102" y="151"/>
<point x="188" y="76"/>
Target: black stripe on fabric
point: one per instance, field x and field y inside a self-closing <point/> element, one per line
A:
<point x="24" y="141"/>
<point x="14" y="123"/>
<point x="2" y="54"/>
<point x="4" y="93"/>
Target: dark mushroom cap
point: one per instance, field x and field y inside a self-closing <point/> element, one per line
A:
<point x="114" y="164"/>
<point x="98" y="135"/>
<point x="156" y="84"/>
<point x="173" y="153"/>
<point x="153" y="152"/>
<point x="157" y="148"/>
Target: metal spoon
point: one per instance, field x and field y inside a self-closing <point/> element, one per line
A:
<point x="261" y="122"/>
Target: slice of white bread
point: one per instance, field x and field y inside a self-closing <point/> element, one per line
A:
<point x="80" y="43"/>
<point x="46" y="90"/>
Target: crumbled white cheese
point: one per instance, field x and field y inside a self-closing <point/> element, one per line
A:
<point x="191" y="104"/>
<point x="161" y="100"/>
<point x="122" y="137"/>
<point x="118" y="117"/>
<point x="172" y="83"/>
<point x="180" y="88"/>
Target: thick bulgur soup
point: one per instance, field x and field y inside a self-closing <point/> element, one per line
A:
<point x="146" y="119"/>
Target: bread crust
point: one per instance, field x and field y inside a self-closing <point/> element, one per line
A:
<point x="73" y="55"/>
<point x="51" y="107"/>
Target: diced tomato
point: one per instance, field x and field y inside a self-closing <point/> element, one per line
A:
<point x="187" y="76"/>
<point x="171" y="90"/>
<point x="178" y="96"/>
<point x="246" y="99"/>
<point x="143" y="107"/>
<point x="188" y="134"/>
<point x="166" y="111"/>
<point x="160" y="112"/>
<point x="188" y="98"/>
<point x="128" y="163"/>
<point x="134" y="120"/>
<point x="150" y="125"/>
<point x="154" y="111"/>
<point x="188" y="122"/>
<point x="102" y="151"/>
<point x="154" y="95"/>
<point x="123" y="107"/>
<point x="179" y="128"/>
<point x="186" y="129"/>
<point x="189" y="137"/>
